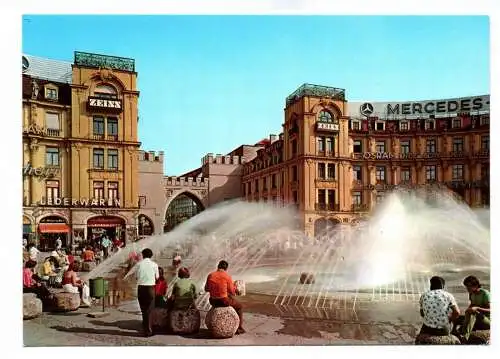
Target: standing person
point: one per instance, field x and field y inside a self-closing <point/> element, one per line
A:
<point x="33" y="252"/>
<point x="438" y="308"/>
<point x="161" y="287"/>
<point x="106" y="243"/>
<point x="58" y="243"/>
<point x="88" y="255"/>
<point x="147" y="273"/>
<point x="477" y="315"/>
<point x="220" y="285"/>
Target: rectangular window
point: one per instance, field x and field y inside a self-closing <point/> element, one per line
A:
<point x="295" y="197"/>
<point x="321" y="170"/>
<point x="294" y="148"/>
<point x="52" y="190"/>
<point x="52" y="154"/>
<point x="331" y="171"/>
<point x="484" y="120"/>
<point x="273" y="180"/>
<point x="457" y="122"/>
<point x="457" y="172"/>
<point x="485" y="171"/>
<point x="355" y="125"/>
<point x="50" y="94"/>
<point x="380" y="146"/>
<point x="98" y="128"/>
<point x="321" y="196"/>
<point x="321" y="144"/>
<point x="294" y="174"/>
<point x="113" y="190"/>
<point x="256" y="186"/>
<point x="282" y="178"/>
<point x="485" y="142"/>
<point x="458" y="144"/>
<point x="380" y="197"/>
<point x="405" y="174"/>
<point x="356" y="198"/>
<point x="357" y="146"/>
<point x="98" y="157"/>
<point x="430" y="173"/>
<point x="52" y="121"/>
<point x="329" y="145"/>
<point x="379" y="126"/>
<point x="430" y="146"/>
<point x="380" y="173"/>
<point x="356" y="173"/>
<point x="404" y="126"/>
<point x="112" y="127"/>
<point x="405" y="147"/>
<point x="98" y="189"/>
<point x="331" y="198"/>
<point x="112" y="159"/>
<point x="264" y="181"/>
<point x="430" y="124"/>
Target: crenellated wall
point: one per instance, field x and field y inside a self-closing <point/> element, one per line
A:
<point x="222" y="160"/>
<point x="185" y="181"/>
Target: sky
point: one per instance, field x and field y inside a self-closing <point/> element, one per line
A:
<point x="211" y="83"/>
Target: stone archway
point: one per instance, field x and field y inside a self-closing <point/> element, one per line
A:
<point x="145" y="224"/>
<point x="181" y="208"/>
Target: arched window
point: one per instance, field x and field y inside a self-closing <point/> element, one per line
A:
<point x="105" y="91"/>
<point x="325" y="116"/>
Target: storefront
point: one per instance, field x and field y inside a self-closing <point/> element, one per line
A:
<point x="49" y="229"/>
<point x="113" y="227"/>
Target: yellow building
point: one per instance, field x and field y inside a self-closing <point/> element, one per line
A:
<point x="79" y="149"/>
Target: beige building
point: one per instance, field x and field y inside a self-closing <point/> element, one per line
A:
<point x="79" y="148"/>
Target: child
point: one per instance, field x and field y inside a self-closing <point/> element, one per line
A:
<point x="160" y="290"/>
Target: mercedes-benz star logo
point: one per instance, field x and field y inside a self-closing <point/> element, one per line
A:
<point x="366" y="109"/>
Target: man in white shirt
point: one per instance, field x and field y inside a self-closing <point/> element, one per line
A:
<point x="146" y="274"/>
<point x="438" y="308"/>
<point x="33" y="252"/>
<point x="58" y="243"/>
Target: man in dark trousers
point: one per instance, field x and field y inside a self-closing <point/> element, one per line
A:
<point x="222" y="291"/>
<point x="146" y="274"/>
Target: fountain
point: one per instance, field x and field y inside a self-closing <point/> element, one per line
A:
<point x="410" y="237"/>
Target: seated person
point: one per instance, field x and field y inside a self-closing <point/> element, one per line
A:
<point x="438" y="308"/>
<point x="71" y="257"/>
<point x="220" y="285"/>
<point x="31" y="283"/>
<point x="184" y="291"/>
<point x="72" y="284"/>
<point x="172" y="269"/>
<point x="48" y="270"/>
<point x="477" y="315"/>
<point x="88" y="255"/>
<point x="161" y="290"/>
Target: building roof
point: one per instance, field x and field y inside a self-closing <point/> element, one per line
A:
<point x="47" y="69"/>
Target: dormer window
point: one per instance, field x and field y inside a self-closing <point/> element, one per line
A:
<point x="51" y="92"/>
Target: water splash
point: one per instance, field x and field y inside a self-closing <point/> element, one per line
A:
<point x="390" y="257"/>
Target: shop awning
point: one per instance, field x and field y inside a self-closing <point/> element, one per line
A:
<point x="105" y="222"/>
<point x="26" y="228"/>
<point x="53" y="228"/>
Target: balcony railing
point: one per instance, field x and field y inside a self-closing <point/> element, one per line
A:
<point x="317" y="91"/>
<point x="326" y="179"/>
<point x="327" y="207"/>
<point x="53" y="133"/>
<point x="360" y="207"/>
<point x="326" y="153"/>
<point x="112" y="137"/>
<point x="98" y="136"/>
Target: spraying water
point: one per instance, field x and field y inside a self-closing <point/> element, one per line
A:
<point x="410" y="237"/>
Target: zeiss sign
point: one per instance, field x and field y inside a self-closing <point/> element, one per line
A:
<point x="447" y="107"/>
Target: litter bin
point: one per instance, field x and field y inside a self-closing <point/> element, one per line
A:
<point x="98" y="287"/>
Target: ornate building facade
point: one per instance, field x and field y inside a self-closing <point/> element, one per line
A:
<point x="80" y="163"/>
<point x="336" y="160"/>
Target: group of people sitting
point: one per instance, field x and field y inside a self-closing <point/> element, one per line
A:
<point x="152" y="287"/>
<point x="441" y="314"/>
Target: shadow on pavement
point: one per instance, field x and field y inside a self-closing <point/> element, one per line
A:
<point x="97" y="331"/>
<point x="122" y="324"/>
<point x="202" y="334"/>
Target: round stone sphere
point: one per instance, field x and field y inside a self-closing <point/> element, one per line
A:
<point x="426" y="339"/>
<point x="159" y="320"/>
<point x="32" y="306"/>
<point x="479" y="337"/>
<point x="185" y="321"/>
<point x="222" y="322"/>
<point x="65" y="302"/>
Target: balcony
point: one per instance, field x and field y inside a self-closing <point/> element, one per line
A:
<point x="325" y="154"/>
<point x="484" y="153"/>
<point x="327" y="207"/>
<point x="112" y="137"/>
<point x="361" y="207"/>
<point x="98" y="136"/>
<point x="325" y="179"/>
<point x="457" y="154"/>
<point x="53" y="133"/>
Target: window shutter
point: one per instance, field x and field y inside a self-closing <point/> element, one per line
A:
<point x="52" y="121"/>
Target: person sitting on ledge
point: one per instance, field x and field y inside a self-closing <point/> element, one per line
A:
<point x="221" y="287"/>
<point x="32" y="284"/>
<point x="48" y="271"/>
<point x="173" y="268"/>
<point x="88" y="255"/>
<point x="160" y="290"/>
<point x="477" y="315"/>
<point x="72" y="284"/>
<point x="183" y="292"/>
<point x="438" y="308"/>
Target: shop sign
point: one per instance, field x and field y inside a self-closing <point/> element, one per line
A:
<point x="96" y="103"/>
<point x="79" y="202"/>
<point x="378" y="156"/>
<point x="40" y="172"/>
<point x="327" y="126"/>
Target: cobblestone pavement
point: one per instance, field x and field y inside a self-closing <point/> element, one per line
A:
<point x="122" y="327"/>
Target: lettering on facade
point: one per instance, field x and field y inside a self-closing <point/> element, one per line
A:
<point x="79" y="202"/>
<point x="95" y="103"/>
<point x="40" y="172"/>
<point x="378" y="156"/>
<point x="326" y="126"/>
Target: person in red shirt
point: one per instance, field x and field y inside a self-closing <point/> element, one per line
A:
<point x="161" y="290"/>
<point x="221" y="287"/>
<point x="32" y="285"/>
<point x="71" y="258"/>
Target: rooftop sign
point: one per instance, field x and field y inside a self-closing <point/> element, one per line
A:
<point x="104" y="61"/>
